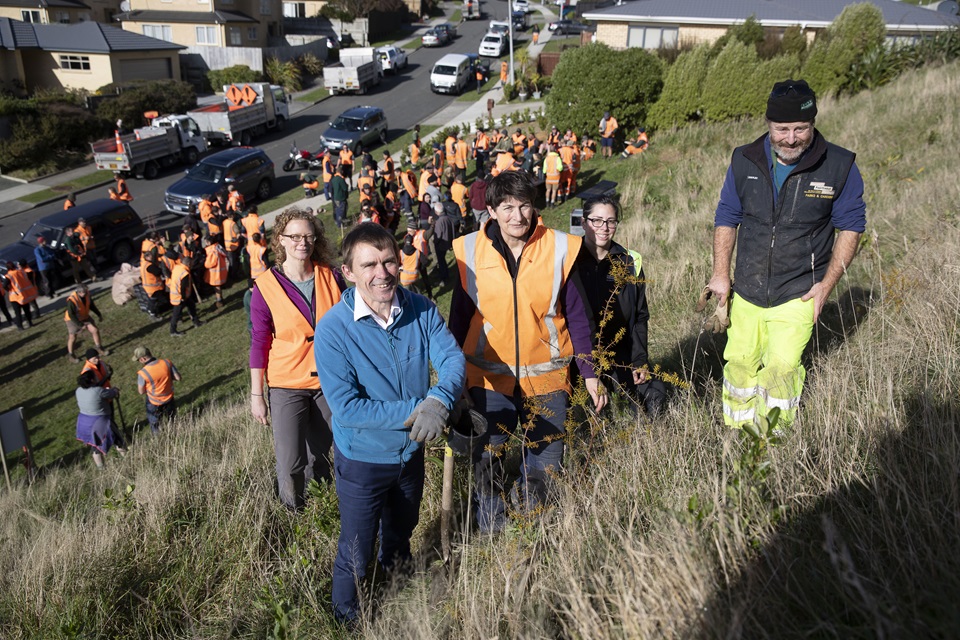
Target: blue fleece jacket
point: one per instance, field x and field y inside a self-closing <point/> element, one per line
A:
<point x="373" y="378"/>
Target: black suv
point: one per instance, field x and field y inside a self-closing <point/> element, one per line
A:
<point x="246" y="167"/>
<point x="117" y="230"/>
<point x="359" y="127"/>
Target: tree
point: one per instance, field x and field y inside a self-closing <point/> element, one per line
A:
<point x="594" y="78"/>
<point x="857" y="30"/>
<point x="682" y="97"/>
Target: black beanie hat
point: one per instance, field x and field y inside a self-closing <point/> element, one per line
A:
<point x="792" y="101"/>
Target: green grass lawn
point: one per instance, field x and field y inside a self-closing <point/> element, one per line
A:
<point x="413" y="44"/>
<point x="314" y="96"/>
<point x="557" y="44"/>
<point x="62" y="189"/>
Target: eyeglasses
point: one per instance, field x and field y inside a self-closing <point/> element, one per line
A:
<point x="297" y="238"/>
<point x="598" y="223"/>
<point x="799" y="89"/>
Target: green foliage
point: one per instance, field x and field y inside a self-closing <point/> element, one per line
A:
<point x="592" y="79"/>
<point x="739" y="83"/>
<point x="682" y="96"/>
<point x="48" y="137"/>
<point x="237" y="74"/>
<point x="336" y="11"/>
<point x="859" y="29"/>
<point x="284" y="73"/>
<point x="164" y="96"/>
<point x="310" y="64"/>
<point x="749" y="32"/>
<point x="793" y="42"/>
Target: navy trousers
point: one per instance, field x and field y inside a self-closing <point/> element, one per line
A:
<point x="374" y="498"/>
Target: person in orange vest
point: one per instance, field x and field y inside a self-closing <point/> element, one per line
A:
<point x="413" y="268"/>
<point x="113" y="195"/>
<point x="608" y="131"/>
<point x="4" y="290"/>
<point x="215" y="262"/>
<point x="346" y="165"/>
<point x="589" y="148"/>
<point x="536" y="34"/>
<point x="520" y="345"/>
<point x="480" y="79"/>
<point x="450" y="150"/>
<point x="155" y="381"/>
<point x="552" y="168"/>
<point x="257" y="257"/>
<point x="566" y="174"/>
<point x="408" y="190"/>
<point x="209" y="211"/>
<point x="497" y="136"/>
<point x="182" y="295"/>
<point x="100" y="370"/>
<point x="461" y="152"/>
<point x="253" y="224"/>
<point x="458" y="193"/>
<point x="232" y="240"/>
<point x="504" y="162"/>
<point x="235" y="199"/>
<point x="481" y="150"/>
<point x="85" y="233"/>
<point x="519" y="143"/>
<point x="310" y="184"/>
<point x="504" y="72"/>
<point x="570" y="136"/>
<point x="287" y="301"/>
<point x="424" y="180"/>
<point x="22" y="293"/>
<point x="80" y="305"/>
<point x="152" y="281"/>
<point x="368" y="177"/>
<point x="329" y="165"/>
<point x="437" y="158"/>
<point x="24" y="266"/>
<point x="415" y="152"/>
<point x="189" y="242"/>
<point x="70" y="202"/>
<point x="636" y="146"/>
<point x="122" y="192"/>
<point x="388" y="175"/>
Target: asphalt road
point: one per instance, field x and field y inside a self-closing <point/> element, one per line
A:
<point x="406" y="99"/>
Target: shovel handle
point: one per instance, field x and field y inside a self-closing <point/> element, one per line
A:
<point x="446" y="503"/>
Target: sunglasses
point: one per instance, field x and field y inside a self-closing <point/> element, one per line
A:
<point x="799" y="89"/>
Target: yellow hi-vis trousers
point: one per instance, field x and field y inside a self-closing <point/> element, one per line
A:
<point x="763" y="367"/>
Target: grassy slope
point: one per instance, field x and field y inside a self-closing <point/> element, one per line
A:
<point x="668" y="529"/>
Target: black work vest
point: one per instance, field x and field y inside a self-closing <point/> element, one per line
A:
<point x="784" y="248"/>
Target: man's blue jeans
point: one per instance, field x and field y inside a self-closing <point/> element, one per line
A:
<point x="373" y="497"/>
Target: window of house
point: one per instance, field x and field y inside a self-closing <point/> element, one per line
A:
<point x="235" y="37"/>
<point x="653" y="37"/>
<point x="251" y="33"/>
<point x="75" y="63"/>
<point x="63" y="17"/>
<point x="30" y="16"/>
<point x="84" y="17"/>
<point x="207" y="35"/>
<point x="294" y="10"/>
<point x="158" y="31"/>
<point x="266" y="7"/>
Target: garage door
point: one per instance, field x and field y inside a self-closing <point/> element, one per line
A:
<point x="145" y="69"/>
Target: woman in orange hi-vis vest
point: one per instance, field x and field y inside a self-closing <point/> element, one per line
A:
<point x="287" y="301"/>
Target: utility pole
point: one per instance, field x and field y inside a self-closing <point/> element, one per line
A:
<point x="510" y="34"/>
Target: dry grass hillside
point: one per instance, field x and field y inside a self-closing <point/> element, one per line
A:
<point x="678" y="528"/>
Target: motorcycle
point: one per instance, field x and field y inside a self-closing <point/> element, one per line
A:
<point x="303" y="160"/>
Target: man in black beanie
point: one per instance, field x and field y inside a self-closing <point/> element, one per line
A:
<point x="784" y="197"/>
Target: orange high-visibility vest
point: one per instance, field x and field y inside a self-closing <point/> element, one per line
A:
<point x="408" y="179"/>
<point x="566" y="154"/>
<point x="519" y="143"/>
<point x="22" y="289"/>
<point x="424" y="183"/>
<point x="538" y="353"/>
<point x="408" y="267"/>
<point x="235" y="201"/>
<point x="231" y="235"/>
<point x="82" y="303"/>
<point x="450" y="149"/>
<point x="420" y="242"/>
<point x="346" y="158"/>
<point x="258" y="264"/>
<point x="184" y="250"/>
<point x="611" y="127"/>
<point x="169" y="263"/>
<point x="86" y="237"/>
<point x="414" y="153"/>
<point x="458" y="193"/>
<point x="552" y="166"/>
<point x="149" y="245"/>
<point x="68" y="205"/>
<point x="365" y="179"/>
<point x="388" y="170"/>
<point x="438" y="159"/>
<point x="504" y="162"/>
<point x="291" y="364"/>
<point x="99" y="373"/>
<point x="216" y="264"/>
<point x="151" y="283"/>
<point x="462" y="151"/>
<point x="482" y="143"/>
<point x="208" y="218"/>
<point x="179" y="291"/>
<point x="589" y="149"/>
<point x="157" y="376"/>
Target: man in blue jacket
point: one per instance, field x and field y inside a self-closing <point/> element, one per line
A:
<point x="793" y="204"/>
<point x="374" y="350"/>
<point x="47" y="266"/>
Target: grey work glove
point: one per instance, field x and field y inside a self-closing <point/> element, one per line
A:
<point x="427" y="420"/>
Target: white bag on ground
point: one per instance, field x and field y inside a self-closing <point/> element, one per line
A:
<point x="123" y="283"/>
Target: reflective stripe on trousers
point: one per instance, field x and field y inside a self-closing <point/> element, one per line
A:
<point x="763" y="369"/>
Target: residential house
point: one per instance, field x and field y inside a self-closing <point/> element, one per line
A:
<point x="60" y="11"/>
<point x="87" y="55"/>
<point x="206" y="23"/>
<point x="652" y="24"/>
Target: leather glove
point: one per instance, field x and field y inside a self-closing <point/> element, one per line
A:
<point x="719" y="320"/>
<point x="427" y="420"/>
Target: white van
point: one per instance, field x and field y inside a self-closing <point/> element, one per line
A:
<point x="450" y="74"/>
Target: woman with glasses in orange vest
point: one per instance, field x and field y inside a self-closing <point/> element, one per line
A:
<point x="287" y="301"/>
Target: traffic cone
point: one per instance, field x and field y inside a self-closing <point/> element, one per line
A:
<point x="119" y="141"/>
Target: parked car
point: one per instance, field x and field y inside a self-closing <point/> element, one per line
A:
<point x="493" y="45"/>
<point x="521" y="5"/>
<point x="249" y="168"/>
<point x="435" y="38"/>
<point x="117" y="229"/>
<point x="359" y="127"/>
<point x="392" y="58"/>
<point x="564" y="27"/>
<point x="450" y="28"/>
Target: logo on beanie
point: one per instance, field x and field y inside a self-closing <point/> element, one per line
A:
<point x="806" y="105"/>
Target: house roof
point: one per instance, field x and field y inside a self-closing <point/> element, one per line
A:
<point x="44" y="4"/>
<point x="188" y="17"/>
<point x="84" y="37"/>
<point x="899" y="16"/>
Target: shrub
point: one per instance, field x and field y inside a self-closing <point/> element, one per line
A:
<point x="682" y="97"/>
<point x="237" y="74"/>
<point x="45" y="139"/>
<point x="592" y="79"/>
<point x="793" y="42"/>
<point x="284" y="73"/>
<point x="164" y="96"/>
<point x="856" y="31"/>
<point x="310" y="64"/>
<point x="726" y="92"/>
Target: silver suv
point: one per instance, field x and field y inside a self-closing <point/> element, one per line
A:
<point x="359" y="127"/>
